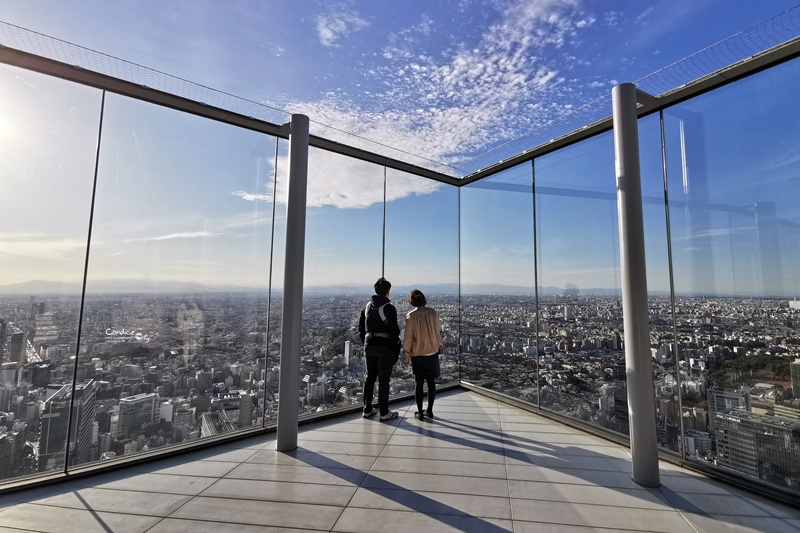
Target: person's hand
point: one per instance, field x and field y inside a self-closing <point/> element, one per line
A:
<point x="406" y="360"/>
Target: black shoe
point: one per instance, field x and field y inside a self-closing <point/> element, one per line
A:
<point x="419" y="416"/>
<point x="429" y="413"/>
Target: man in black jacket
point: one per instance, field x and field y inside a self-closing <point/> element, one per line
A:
<point x="380" y="335"/>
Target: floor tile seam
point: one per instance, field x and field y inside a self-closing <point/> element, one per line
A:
<point x="581" y="468"/>
<point x="317" y="467"/>
<point x="686" y="519"/>
<point x="253" y="500"/>
<point x="508" y="490"/>
<point x="154" y="525"/>
<point x="428" y="514"/>
<point x="344" y="431"/>
<point x="344" y="467"/>
<point x="120" y="489"/>
<point x="276" y="499"/>
<point x="321" y="453"/>
<point x="306" y="441"/>
<point x="342" y="484"/>
<point x="594" y="527"/>
<point x="671" y="509"/>
<point x="548" y="455"/>
<point x="91" y="510"/>
<point x="433" y="491"/>
<point x="184" y="519"/>
<point x="445" y="460"/>
<point x="712" y="513"/>
<point x="588" y="484"/>
<point x="26" y="530"/>
<point x="667" y="505"/>
<point x="180" y="475"/>
<point x="455" y="512"/>
<point x="450" y="475"/>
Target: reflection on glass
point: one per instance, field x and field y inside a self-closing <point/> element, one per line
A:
<point x="172" y="345"/>
<point x="422" y="253"/>
<point x="48" y="139"/>
<point x="735" y="214"/>
<point x="583" y="371"/>
<point x="343" y="254"/>
<point x="498" y="328"/>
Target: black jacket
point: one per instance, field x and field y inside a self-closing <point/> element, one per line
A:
<point x="372" y="323"/>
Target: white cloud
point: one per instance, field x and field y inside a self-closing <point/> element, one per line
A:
<point x="180" y="235"/>
<point x="348" y="183"/>
<point x="39" y="246"/>
<point x="445" y="106"/>
<point x="250" y="197"/>
<point x="339" y="22"/>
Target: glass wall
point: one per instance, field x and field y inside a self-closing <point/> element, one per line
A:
<point x="48" y="139"/>
<point x="188" y="232"/>
<point x="580" y="306"/>
<point x="662" y="346"/>
<point x="498" y="326"/>
<point x="343" y="259"/>
<point x="734" y="202"/>
<point x="172" y="345"/>
<point x="422" y="253"/>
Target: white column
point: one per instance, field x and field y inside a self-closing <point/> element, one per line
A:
<point x="641" y="394"/>
<point x="291" y="320"/>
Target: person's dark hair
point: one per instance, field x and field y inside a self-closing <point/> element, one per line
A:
<point x="416" y="298"/>
<point x="382" y="286"/>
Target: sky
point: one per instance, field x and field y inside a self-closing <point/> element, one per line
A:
<point x="181" y="198"/>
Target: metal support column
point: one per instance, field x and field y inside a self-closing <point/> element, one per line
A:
<point x="289" y="392"/>
<point x="641" y="393"/>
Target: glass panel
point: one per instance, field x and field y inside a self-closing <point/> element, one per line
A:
<point x="271" y="377"/>
<point x="422" y="253"/>
<point x="498" y="329"/>
<point x="343" y="253"/>
<point x="580" y="305"/>
<point x="176" y="304"/>
<point x="735" y="215"/>
<point x="662" y="344"/>
<point x="48" y="140"/>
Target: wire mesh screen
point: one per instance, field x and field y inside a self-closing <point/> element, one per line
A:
<point x="744" y="45"/>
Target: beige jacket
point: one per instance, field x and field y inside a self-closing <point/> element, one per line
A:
<point x="423" y="336"/>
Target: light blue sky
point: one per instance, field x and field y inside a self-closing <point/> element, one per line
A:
<point x="181" y="198"/>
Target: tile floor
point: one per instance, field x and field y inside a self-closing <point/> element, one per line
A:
<point x="479" y="466"/>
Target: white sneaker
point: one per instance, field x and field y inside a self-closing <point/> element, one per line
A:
<point x="371" y="413"/>
<point x="389" y="416"/>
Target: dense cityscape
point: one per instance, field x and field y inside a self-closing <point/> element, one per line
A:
<point x="156" y="370"/>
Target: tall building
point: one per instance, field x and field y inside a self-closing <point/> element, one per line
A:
<point x="84" y="411"/>
<point x="245" y="410"/>
<point x="54" y="422"/>
<point x="724" y="400"/>
<point x="136" y="411"/>
<point x="45" y="332"/>
<point x="761" y="446"/>
<point x="794" y="369"/>
<point x="16" y="348"/>
<point x="2" y="338"/>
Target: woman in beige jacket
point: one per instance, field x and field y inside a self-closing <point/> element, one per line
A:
<point x="422" y="344"/>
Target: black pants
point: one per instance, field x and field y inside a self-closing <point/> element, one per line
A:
<point x="380" y="362"/>
<point x="418" y="394"/>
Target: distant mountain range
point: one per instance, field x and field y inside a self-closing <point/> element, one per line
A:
<point x="140" y="286"/>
